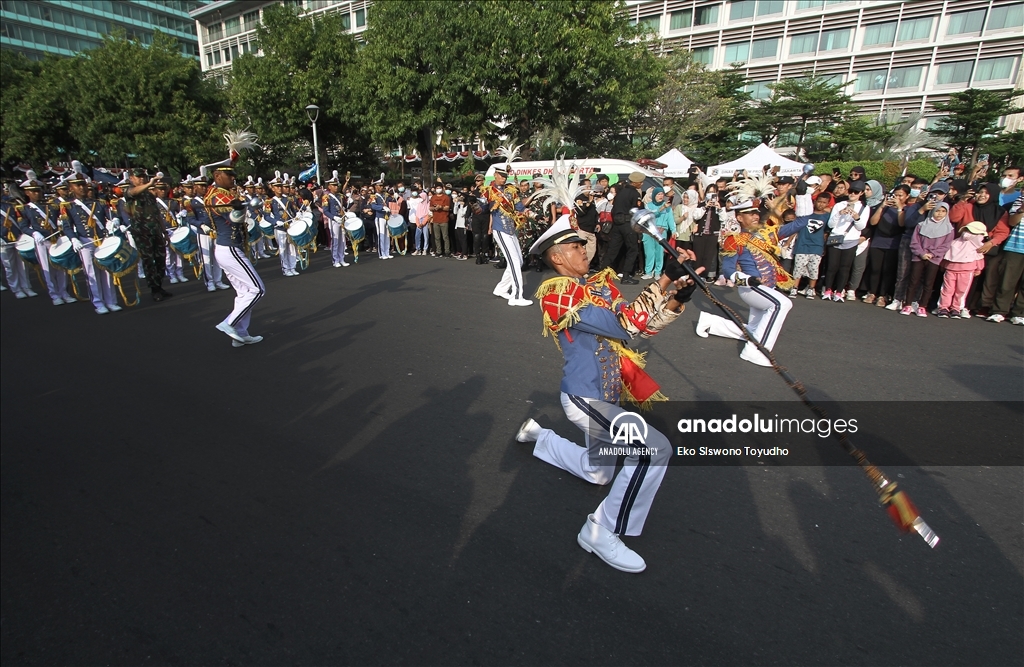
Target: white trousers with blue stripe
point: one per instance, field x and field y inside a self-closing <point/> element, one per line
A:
<point x="248" y="287"/>
<point x="624" y="511"/>
<point x="768" y="310"/>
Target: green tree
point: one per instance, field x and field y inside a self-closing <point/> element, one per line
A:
<point x="804" y="106"/>
<point x="36" y="98"/>
<point x="1006" y="149"/>
<point x="734" y="139"/>
<point x="970" y="117"/>
<point x="306" y="60"/>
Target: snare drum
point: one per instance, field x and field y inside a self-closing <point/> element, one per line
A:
<point x="267" y="229"/>
<point x="255" y="234"/>
<point x="184" y="241"/>
<point x="63" y="255"/>
<point x="26" y="246"/>
<point x="354" y="227"/>
<point x="116" y="255"/>
<point x="396" y="226"/>
<point x="299" y="233"/>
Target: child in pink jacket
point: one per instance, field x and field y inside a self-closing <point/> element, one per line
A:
<point x="962" y="263"/>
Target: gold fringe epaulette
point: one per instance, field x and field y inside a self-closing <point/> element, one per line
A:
<point x="603" y="277"/>
<point x="656" y="397"/>
<point x="557" y="285"/>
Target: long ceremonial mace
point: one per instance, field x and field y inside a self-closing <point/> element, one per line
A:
<point x="901" y="510"/>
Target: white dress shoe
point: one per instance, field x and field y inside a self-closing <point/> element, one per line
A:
<point x="222" y="286"/>
<point x="182" y="279"/>
<point x="497" y="292"/>
<point x="210" y="287"/>
<point x="113" y="307"/>
<point x="20" y="295"/>
<point x="174" y="281"/>
<point x="102" y="310"/>
<point x="246" y="340"/>
<point x="702" y="326"/>
<point x="520" y="302"/>
<point x="596" y="539"/>
<point x="528" y="432"/>
<point x="58" y="301"/>
<point x="230" y="330"/>
<point x="29" y="292"/>
<point x="344" y="264"/>
<point x="755" y="357"/>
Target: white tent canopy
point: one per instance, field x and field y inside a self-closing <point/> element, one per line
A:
<point x="678" y="165"/>
<point x="754" y="163"/>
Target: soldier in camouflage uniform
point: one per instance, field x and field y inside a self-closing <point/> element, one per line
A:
<point x="148" y="230"/>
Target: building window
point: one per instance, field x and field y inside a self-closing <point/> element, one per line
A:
<point x="769" y="7"/>
<point x="951" y="73"/>
<point x="250" y="20"/>
<point x="360" y="18"/>
<point x="759" y="90"/>
<point x="680" y="20"/>
<point x="214" y="32"/>
<point x="915" y="29"/>
<point x="653" y="23"/>
<point x="1006" y="17"/>
<point x="704" y="55"/>
<point x="707" y="15"/>
<point x="801" y="5"/>
<point x="966" y="23"/>
<point x="994" y="69"/>
<point x="232" y="27"/>
<point x="904" y="77"/>
<point x="741" y="9"/>
<point x="737" y="53"/>
<point x="346" y="21"/>
<point x="764" y="48"/>
<point x="209" y="60"/>
<point x="871" y="80"/>
<point x="880" y="34"/>
<point x="234" y="51"/>
<point x="833" y="40"/>
<point x="803" y="44"/>
<point x="216" y="57"/>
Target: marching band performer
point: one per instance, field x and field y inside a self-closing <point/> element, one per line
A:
<point x="279" y="212"/>
<point x="591" y="321"/>
<point x="169" y="209"/>
<point x="334" y="211"/>
<point x="14" y="265"/>
<point x="502" y="200"/>
<point x="379" y="206"/>
<point x="41" y="221"/>
<point x="253" y="195"/>
<point x="85" y="227"/>
<point x="227" y="213"/>
<point x="205" y="233"/>
<point x="147" y="227"/>
<point x="751" y="260"/>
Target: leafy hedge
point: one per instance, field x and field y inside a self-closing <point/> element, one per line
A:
<point x="885" y="172"/>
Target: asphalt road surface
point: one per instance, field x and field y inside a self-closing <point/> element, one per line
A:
<point x="349" y="491"/>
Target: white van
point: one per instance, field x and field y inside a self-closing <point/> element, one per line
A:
<point x="616" y="170"/>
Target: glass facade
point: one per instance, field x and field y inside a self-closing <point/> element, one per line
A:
<point x="62" y="27"/>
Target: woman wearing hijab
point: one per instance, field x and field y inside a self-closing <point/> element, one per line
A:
<point x="654" y="256"/>
<point x="986" y="210"/>
<point x="683" y="216"/>
<point x="929" y="244"/>
<point x="873" y="194"/>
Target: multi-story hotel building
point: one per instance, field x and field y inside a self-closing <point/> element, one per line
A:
<point x="65" y="27"/>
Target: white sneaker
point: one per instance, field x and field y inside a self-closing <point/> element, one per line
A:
<point x="174" y="281"/>
<point x="895" y="305"/>
<point x="755" y="357"/>
<point x="596" y="539"/>
<point x="230" y="331"/>
<point x="851" y="295"/>
<point x="29" y="292"/>
<point x="246" y="340"/>
<point x="1019" y="321"/>
<point x="102" y="310"/>
<point x="20" y="295"/>
<point x="520" y="302"/>
<point x="703" y="327"/>
<point x="58" y="301"/>
<point x="793" y="293"/>
<point x="497" y="292"/>
<point x="995" y="318"/>
<point x="182" y="279"/>
<point x="528" y="432"/>
<point x="645" y="276"/>
<point x="336" y="265"/>
<point x="114" y="308"/>
<point x="210" y="287"/>
<point x="222" y="286"/>
<point x="965" y="314"/>
<point x="344" y="264"/>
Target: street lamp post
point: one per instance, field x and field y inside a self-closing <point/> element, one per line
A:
<point x="313" y="112"/>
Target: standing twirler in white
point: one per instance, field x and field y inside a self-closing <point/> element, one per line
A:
<point x="334" y="211"/>
<point x="502" y="200"/>
<point x="227" y="213"/>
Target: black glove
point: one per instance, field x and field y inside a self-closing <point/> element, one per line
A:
<point x="238" y="205"/>
<point x="749" y="281"/>
<point x="674" y="270"/>
<point x="685" y="293"/>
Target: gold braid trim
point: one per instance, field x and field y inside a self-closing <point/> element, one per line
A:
<point x="656" y="397"/>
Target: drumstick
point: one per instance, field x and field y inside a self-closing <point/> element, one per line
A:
<point x="899" y="506"/>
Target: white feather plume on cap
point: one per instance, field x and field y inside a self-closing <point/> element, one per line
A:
<point x="753" y="187"/>
<point x="562" y="187"/>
